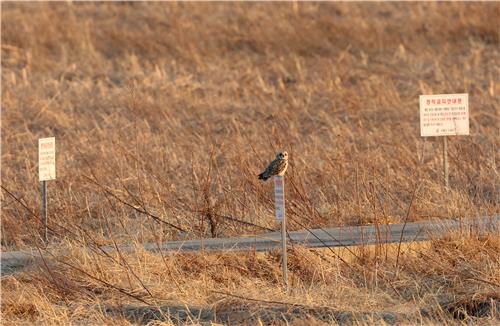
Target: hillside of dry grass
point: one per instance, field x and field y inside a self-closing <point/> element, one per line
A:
<point x="164" y="113"/>
<point x="175" y="108"/>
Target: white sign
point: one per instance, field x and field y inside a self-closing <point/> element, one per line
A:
<point x="47" y="158"/>
<point x="279" y="197"/>
<point x="444" y="115"/>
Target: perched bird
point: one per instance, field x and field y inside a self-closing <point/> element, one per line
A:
<point x="276" y="167"/>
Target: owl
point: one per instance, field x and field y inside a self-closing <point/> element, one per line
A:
<point x="276" y="167"/>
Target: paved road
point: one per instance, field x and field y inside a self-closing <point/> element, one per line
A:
<point x="337" y="237"/>
<point x="330" y="237"/>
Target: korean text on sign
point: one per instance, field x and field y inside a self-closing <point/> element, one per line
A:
<point x="47" y="158"/>
<point x="444" y="115"/>
<point x="279" y="197"/>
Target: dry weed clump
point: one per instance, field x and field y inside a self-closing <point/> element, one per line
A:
<point x="163" y="115"/>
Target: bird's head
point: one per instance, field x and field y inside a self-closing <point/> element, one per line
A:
<point x="282" y="155"/>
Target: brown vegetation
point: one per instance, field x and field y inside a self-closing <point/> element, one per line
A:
<point x="164" y="113"/>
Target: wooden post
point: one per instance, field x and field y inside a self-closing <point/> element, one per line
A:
<point x="279" y="197"/>
<point x="445" y="162"/>
<point x="44" y="210"/>
<point x="284" y="258"/>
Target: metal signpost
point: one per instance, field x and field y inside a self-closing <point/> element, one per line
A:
<point x="46" y="171"/>
<point x="444" y="115"/>
<point x="279" y="197"/>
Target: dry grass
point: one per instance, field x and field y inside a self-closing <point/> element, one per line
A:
<point x="446" y="281"/>
<point x="165" y="112"/>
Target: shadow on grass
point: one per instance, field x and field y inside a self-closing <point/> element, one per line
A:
<point x="237" y="315"/>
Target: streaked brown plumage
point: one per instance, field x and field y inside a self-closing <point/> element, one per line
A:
<point x="276" y="167"/>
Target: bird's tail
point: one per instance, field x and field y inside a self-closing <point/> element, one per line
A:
<point x="262" y="177"/>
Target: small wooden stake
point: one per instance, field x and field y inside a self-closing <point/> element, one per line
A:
<point x="284" y="258"/>
<point x="44" y="210"/>
<point x="445" y="162"/>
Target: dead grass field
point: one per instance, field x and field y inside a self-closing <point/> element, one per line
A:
<point x="164" y="113"/>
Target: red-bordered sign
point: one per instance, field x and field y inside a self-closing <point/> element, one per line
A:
<point x="444" y="115"/>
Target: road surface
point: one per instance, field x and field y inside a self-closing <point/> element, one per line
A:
<point x="316" y="238"/>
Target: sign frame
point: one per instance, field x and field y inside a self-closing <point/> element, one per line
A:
<point x="46" y="172"/>
<point x="444" y="115"/>
<point x="46" y="159"/>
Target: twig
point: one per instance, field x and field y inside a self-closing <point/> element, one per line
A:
<point x="415" y="189"/>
